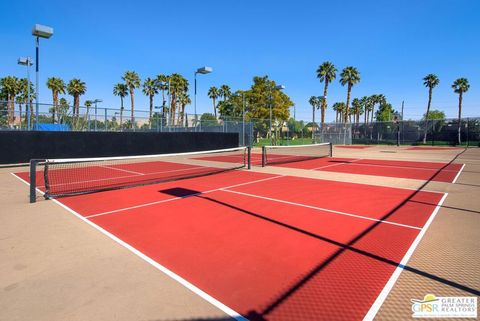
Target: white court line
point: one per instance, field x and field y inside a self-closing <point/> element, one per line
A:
<point x="321" y="209"/>
<point x="122" y="170"/>
<point x="177" y="198"/>
<point x="458" y="174"/>
<point x="393" y="279"/>
<point x="405" y="167"/>
<point x="337" y="164"/>
<point x="166" y="271"/>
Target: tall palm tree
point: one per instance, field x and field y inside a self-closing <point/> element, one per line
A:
<point x="88" y="104"/>
<point x="430" y="81"/>
<point x="339" y="108"/>
<point x="460" y="86"/>
<point x="326" y="73"/>
<point x="214" y="93"/>
<point x="379" y="99"/>
<point x="150" y="89"/>
<point x="57" y="86"/>
<point x="76" y="88"/>
<point x="225" y="92"/>
<point x="132" y="80"/>
<point x="349" y="76"/>
<point x="121" y="90"/>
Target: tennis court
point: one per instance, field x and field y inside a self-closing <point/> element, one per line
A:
<point x="256" y="245"/>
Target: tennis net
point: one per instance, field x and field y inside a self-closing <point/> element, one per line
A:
<point x="295" y="153"/>
<point x="64" y="177"/>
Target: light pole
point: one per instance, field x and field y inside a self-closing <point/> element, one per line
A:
<point x="39" y="31"/>
<point x="278" y="87"/>
<point x="27" y="61"/>
<point x="95" y="102"/>
<point x="203" y="70"/>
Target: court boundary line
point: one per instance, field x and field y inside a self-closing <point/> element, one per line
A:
<point x="178" y="198"/>
<point x="338" y="164"/>
<point x="458" y="174"/>
<point x="377" y="304"/>
<point x="322" y="209"/>
<point x="402" y="167"/>
<point x="122" y="170"/>
<point x="210" y="299"/>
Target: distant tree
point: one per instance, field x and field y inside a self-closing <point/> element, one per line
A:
<point x="121" y="90"/>
<point x="434" y="115"/>
<point x="460" y="86"/>
<point x="178" y="86"/>
<point x="326" y="73"/>
<point x="57" y="86"/>
<point x="385" y="112"/>
<point x="214" y="93"/>
<point x="208" y="120"/>
<point x="132" y="80"/>
<point x="316" y="103"/>
<point x="367" y="107"/>
<point x="295" y="126"/>
<point x="377" y="99"/>
<point x="430" y="81"/>
<point x="62" y="110"/>
<point x="357" y="109"/>
<point x="349" y="76"/>
<point x="183" y="100"/>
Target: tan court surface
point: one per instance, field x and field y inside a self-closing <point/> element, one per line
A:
<point x="56" y="267"/>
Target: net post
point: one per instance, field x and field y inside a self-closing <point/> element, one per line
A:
<point x="264" y="156"/>
<point x="249" y="157"/>
<point x="331" y="149"/>
<point x="33" y="180"/>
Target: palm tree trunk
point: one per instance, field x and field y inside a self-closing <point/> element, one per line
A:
<point x="151" y="110"/>
<point x="313" y="122"/>
<point x="132" y="115"/>
<point x="373" y="109"/>
<point x="426" y="115"/>
<point x="121" y="111"/>
<point x="324" y="102"/>
<point x="460" y="98"/>
<point x="348" y="102"/>
<point x="214" y="108"/>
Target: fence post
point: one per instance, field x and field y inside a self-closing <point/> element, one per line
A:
<point x="106" y="118"/>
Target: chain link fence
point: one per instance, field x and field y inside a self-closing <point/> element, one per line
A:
<point x="252" y="132"/>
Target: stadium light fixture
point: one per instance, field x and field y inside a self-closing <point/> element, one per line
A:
<point x="27" y="61"/>
<point x="203" y="71"/>
<point x="39" y="31"/>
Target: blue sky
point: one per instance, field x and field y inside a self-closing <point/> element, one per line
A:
<point x="394" y="44"/>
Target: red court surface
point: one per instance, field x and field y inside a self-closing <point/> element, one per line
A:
<point x="439" y="172"/>
<point x="433" y="148"/>
<point x="351" y="146"/>
<point x="268" y="247"/>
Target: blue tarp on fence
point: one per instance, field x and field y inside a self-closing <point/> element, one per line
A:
<point x="53" y="127"/>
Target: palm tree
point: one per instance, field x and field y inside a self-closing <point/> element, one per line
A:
<point x="367" y="106"/>
<point x="162" y="84"/>
<point x="377" y="99"/>
<point x="10" y="88"/>
<point x="178" y="86"/>
<point x="150" y="89"/>
<point x="314" y="101"/>
<point x="225" y="92"/>
<point x="214" y="93"/>
<point x="460" y="86"/>
<point x="76" y="88"/>
<point x="88" y="104"/>
<point x="349" y="76"/>
<point x="357" y="109"/>
<point x="57" y="86"/>
<point x="339" y="108"/>
<point x="183" y="100"/>
<point x="132" y="80"/>
<point x="430" y="81"/>
<point x="120" y="90"/>
<point x="326" y="73"/>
